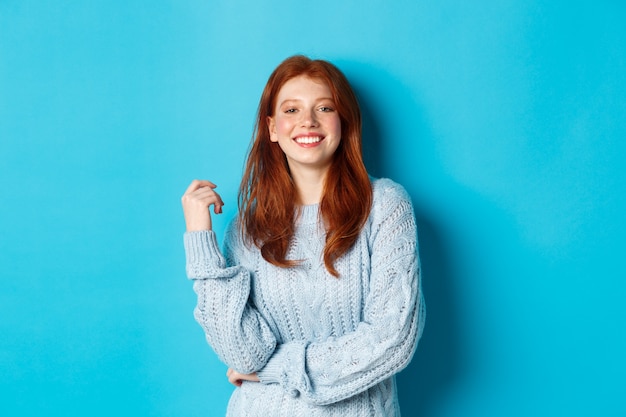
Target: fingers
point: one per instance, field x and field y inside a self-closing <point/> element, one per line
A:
<point x="195" y="184"/>
<point x="201" y="192"/>
<point x="237" y="379"/>
<point x="234" y="377"/>
<point x="197" y="200"/>
<point x="207" y="197"/>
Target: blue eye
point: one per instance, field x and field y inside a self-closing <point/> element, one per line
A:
<point x="326" y="109"/>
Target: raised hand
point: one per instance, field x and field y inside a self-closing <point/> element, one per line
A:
<point x="197" y="200"/>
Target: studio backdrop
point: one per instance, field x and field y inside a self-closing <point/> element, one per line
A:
<point x="504" y="120"/>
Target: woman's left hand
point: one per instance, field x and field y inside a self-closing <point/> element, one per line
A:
<point x="236" y="378"/>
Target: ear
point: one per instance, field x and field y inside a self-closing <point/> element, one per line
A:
<point x="271" y="126"/>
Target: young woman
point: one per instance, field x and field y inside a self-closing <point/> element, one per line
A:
<point x="315" y="302"/>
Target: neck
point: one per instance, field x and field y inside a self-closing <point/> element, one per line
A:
<point x="309" y="184"/>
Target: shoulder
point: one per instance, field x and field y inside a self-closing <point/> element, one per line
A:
<point x="232" y="236"/>
<point x="391" y="206"/>
<point x="387" y="192"/>
<point x="236" y="249"/>
<point x="234" y="226"/>
<point x="391" y="223"/>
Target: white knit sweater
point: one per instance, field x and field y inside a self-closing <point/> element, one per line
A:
<point x="322" y="346"/>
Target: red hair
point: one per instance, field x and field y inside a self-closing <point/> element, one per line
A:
<point x="267" y="195"/>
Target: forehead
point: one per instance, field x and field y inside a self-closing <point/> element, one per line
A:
<point x="303" y="87"/>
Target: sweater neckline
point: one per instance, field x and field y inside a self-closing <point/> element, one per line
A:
<point x="308" y="213"/>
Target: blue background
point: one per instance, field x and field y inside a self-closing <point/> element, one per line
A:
<point x="505" y="121"/>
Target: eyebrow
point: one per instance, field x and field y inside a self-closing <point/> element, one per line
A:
<point x="297" y="99"/>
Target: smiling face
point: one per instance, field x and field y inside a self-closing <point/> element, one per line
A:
<point x="306" y="124"/>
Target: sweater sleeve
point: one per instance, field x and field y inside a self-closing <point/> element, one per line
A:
<point x="393" y="318"/>
<point x="232" y="325"/>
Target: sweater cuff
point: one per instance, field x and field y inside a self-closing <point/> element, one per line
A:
<point x="272" y="373"/>
<point x="203" y="254"/>
<point x="286" y="368"/>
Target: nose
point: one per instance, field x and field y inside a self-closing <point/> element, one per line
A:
<point x="309" y="118"/>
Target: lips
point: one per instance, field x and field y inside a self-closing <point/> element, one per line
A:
<point x="308" y="140"/>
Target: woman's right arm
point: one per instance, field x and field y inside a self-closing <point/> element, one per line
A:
<point x="233" y="327"/>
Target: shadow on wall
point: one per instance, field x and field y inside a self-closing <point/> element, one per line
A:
<point x="437" y="363"/>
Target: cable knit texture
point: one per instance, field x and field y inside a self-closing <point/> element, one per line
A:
<point x="321" y="346"/>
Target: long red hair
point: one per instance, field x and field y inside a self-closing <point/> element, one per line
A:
<point x="267" y="195"/>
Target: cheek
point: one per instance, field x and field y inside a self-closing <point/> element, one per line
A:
<point x="335" y="125"/>
<point x="283" y="126"/>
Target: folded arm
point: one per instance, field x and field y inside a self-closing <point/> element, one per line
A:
<point x="384" y="342"/>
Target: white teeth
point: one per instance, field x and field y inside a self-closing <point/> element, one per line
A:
<point x="308" y="139"/>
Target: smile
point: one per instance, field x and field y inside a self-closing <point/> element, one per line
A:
<point x="307" y="140"/>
